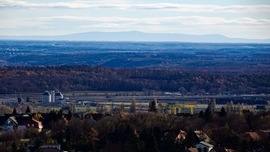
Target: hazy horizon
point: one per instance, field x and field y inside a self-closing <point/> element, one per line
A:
<point x="241" y="19"/>
<point x="135" y="36"/>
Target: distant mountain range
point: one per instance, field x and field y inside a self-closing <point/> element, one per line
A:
<point x="138" y="36"/>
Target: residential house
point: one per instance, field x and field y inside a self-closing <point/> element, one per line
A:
<point x="11" y="123"/>
<point x="3" y="119"/>
<point x="168" y="133"/>
<point x="204" y="146"/>
<point x="255" y="135"/>
<point x="202" y="136"/>
<point x="45" y="148"/>
<point x="250" y="136"/>
<point x="29" y="122"/>
<point x="264" y="134"/>
<point x="181" y="136"/>
<point x="50" y="148"/>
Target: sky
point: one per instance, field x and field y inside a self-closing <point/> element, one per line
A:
<point x="231" y="18"/>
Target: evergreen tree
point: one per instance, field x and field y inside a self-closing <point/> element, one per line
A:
<point x="28" y="111"/>
<point x="69" y="115"/>
<point x="28" y="99"/>
<point x="223" y="112"/>
<point x="19" y="100"/>
<point x="14" y="111"/>
<point x="153" y="106"/>
<point x="208" y="115"/>
<point x="133" y="106"/>
<point x="201" y="114"/>
<point x="212" y="105"/>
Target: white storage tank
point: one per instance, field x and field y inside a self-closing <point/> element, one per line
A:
<point x="46" y="98"/>
<point x="58" y="96"/>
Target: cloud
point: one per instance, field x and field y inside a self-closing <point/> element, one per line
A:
<point x="184" y="20"/>
<point x="129" y="6"/>
<point x="25" y="23"/>
<point x="202" y="8"/>
<point x="72" y="5"/>
<point x="115" y="21"/>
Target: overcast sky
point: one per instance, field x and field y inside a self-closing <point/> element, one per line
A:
<point x="232" y="18"/>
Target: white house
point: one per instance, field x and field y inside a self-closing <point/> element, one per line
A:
<point x="10" y="124"/>
<point x="20" y="123"/>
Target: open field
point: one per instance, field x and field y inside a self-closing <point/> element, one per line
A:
<point x="122" y="96"/>
<point x="116" y="99"/>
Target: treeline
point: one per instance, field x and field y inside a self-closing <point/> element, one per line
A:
<point x="77" y="78"/>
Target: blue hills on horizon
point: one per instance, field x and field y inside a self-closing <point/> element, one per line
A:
<point x="139" y="37"/>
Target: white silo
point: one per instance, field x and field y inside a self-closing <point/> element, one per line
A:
<point x="58" y="96"/>
<point x="46" y="98"/>
<point x="52" y="96"/>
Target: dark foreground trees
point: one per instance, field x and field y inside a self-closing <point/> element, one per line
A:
<point x="143" y="132"/>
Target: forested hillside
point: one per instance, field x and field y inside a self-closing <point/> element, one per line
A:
<point x="76" y="78"/>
